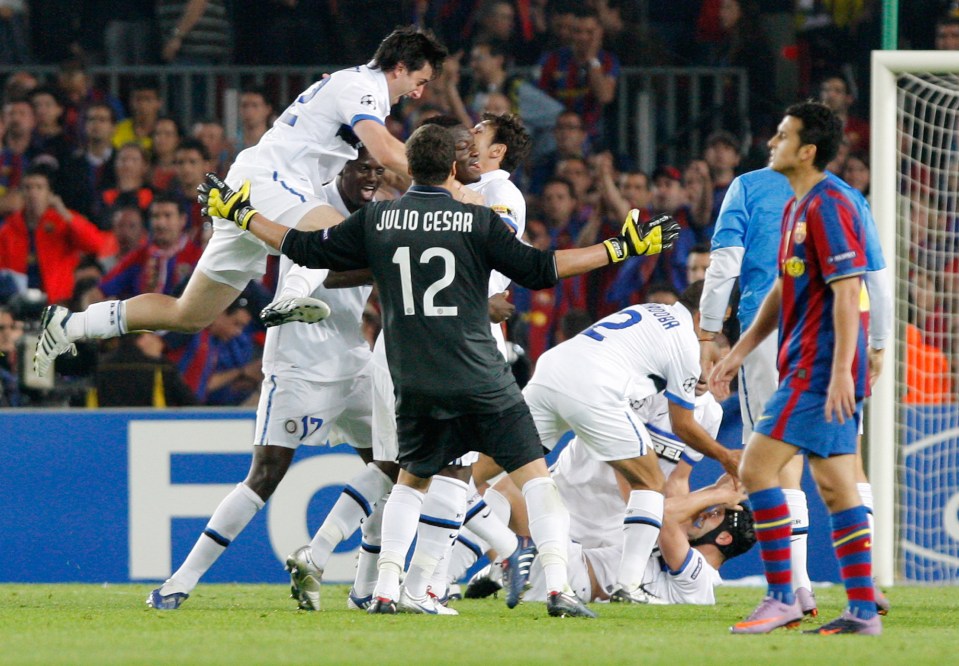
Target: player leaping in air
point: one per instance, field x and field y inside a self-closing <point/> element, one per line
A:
<point x="305" y="148"/>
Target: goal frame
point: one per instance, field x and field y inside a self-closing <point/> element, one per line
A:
<point x="883" y="445"/>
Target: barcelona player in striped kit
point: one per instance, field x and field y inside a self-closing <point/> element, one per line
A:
<point x="822" y="375"/>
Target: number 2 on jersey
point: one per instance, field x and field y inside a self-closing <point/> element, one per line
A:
<point x="632" y="317"/>
<point x="402" y="258"/>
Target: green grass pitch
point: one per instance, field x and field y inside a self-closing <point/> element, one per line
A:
<point x="256" y="624"/>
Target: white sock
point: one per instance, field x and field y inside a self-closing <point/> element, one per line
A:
<point x="499" y="504"/>
<point x="400" y="517"/>
<point x="231" y="516"/>
<point x="481" y="519"/>
<point x="440" y="521"/>
<point x="365" y="579"/>
<point x="549" y="528"/>
<point x="466" y="551"/>
<point x="641" y="526"/>
<point x="101" y="320"/>
<point x="865" y="493"/>
<point x="799" y="511"/>
<point x="354" y="504"/>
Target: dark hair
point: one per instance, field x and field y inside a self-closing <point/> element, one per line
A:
<point x="258" y="90"/>
<point x="46" y="90"/>
<point x="690" y="297"/>
<point x="700" y="248"/>
<point x="45" y="169"/>
<point x="662" y="287"/>
<point x="176" y="123"/>
<point x="511" y="133"/>
<point x="562" y="181"/>
<point x="145" y="83"/>
<point x="821" y="128"/>
<point x="168" y="197"/>
<point x="449" y="122"/>
<point x="575" y="321"/>
<point x="497" y="47"/>
<point x="190" y="143"/>
<point x="101" y="105"/>
<point x="411" y="47"/>
<point x="431" y="152"/>
<point x="947" y="19"/>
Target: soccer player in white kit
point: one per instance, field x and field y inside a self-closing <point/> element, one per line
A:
<point x="306" y="148"/>
<point x="316" y="390"/>
<point x="587" y="382"/>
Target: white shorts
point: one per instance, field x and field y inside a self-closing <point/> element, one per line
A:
<point x="385" y="445"/>
<point x="235" y="257"/>
<point x="297" y="411"/>
<point x="609" y="430"/>
<point x="758" y="380"/>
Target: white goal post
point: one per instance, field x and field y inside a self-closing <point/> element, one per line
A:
<point x="898" y="116"/>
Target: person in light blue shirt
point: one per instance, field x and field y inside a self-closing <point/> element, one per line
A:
<point x="745" y="245"/>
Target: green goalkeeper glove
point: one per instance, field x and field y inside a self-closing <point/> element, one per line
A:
<point x="218" y="200"/>
<point x="642" y="238"/>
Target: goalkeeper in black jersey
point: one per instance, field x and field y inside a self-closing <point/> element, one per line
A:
<point x="431" y="257"/>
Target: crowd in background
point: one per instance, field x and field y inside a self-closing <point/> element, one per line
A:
<point x="97" y="194"/>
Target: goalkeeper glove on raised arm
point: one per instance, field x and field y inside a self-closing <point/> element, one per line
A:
<point x="642" y="238"/>
<point x="218" y="200"/>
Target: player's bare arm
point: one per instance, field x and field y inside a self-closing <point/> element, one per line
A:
<point x="694" y="435"/>
<point x="765" y="323"/>
<point x="386" y="148"/>
<point x="841" y="396"/>
<point x="679" y="511"/>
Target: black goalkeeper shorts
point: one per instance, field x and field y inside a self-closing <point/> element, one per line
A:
<point x="428" y="444"/>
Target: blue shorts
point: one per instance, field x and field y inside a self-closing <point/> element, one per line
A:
<point x="799" y="418"/>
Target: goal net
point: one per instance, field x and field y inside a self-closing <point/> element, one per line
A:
<point x="913" y="437"/>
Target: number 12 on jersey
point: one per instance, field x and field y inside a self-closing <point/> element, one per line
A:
<point x="402" y="258"/>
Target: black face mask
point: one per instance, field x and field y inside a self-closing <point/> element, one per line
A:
<point x="739" y="525"/>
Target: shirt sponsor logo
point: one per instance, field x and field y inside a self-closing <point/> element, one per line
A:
<point x="836" y="258"/>
<point x="795" y="267"/>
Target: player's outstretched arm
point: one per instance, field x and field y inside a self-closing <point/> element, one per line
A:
<point x="386" y="148"/>
<point x="680" y="510"/>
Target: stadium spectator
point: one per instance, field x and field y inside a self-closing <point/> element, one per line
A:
<point x="129" y="228"/>
<point x="166" y="138"/>
<point x="162" y="264"/>
<point x="497" y="20"/>
<point x="49" y="137"/>
<point x="194" y="32"/>
<point x="91" y="170"/>
<point x="212" y="134"/>
<point x="722" y="155"/>
<point x="14" y="33"/>
<point x="18" y="85"/>
<point x="947" y="33"/>
<point x="132" y="189"/>
<point x="11" y="330"/>
<point x="256" y="116"/>
<point x="834" y="92"/>
<point x="856" y="172"/>
<point x="583" y="75"/>
<point x="488" y="63"/>
<point x="192" y="162"/>
<point x="697" y="261"/>
<point x="136" y="374"/>
<point x="571" y="141"/>
<point x="744" y="45"/>
<point x="79" y="94"/>
<point x="129" y="36"/>
<point x="669" y="196"/>
<point x="196" y="356"/>
<point x="145" y="104"/>
<point x="928" y="373"/>
<point x="46" y="240"/>
<point x="18" y="149"/>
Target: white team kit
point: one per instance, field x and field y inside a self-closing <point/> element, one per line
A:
<point x="306" y="148"/>
<point x="588" y="382"/>
<point x="500" y="194"/>
<point x="590" y="491"/>
<point x="317" y="386"/>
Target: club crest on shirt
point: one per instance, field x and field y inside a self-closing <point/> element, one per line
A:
<point x="368" y="100"/>
<point x="799" y="233"/>
<point x="795" y="267"/>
